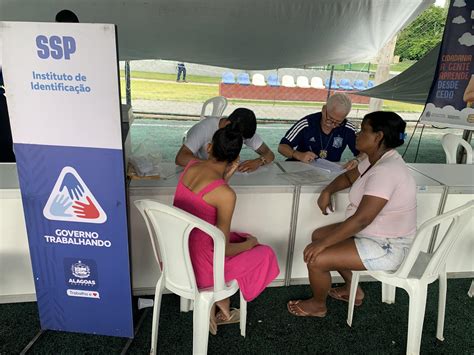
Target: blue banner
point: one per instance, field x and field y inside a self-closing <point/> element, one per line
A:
<point x="63" y="96"/>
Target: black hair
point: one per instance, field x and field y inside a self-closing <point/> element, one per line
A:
<point x="66" y="16"/>
<point x="226" y="144"/>
<point x="390" y="124"/>
<point x="245" y="121"/>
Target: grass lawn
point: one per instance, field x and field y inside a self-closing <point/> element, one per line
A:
<point x="373" y="67"/>
<point x="173" y="91"/>
<point x="172" y="77"/>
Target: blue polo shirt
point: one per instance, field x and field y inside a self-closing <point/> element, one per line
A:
<point x="306" y="135"/>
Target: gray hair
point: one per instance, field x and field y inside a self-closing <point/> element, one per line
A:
<point x="342" y="101"/>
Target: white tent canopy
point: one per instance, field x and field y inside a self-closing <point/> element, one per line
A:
<point x="245" y="34"/>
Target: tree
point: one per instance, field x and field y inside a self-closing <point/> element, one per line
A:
<point x="422" y="34"/>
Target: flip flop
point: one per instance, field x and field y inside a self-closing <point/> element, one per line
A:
<point x="212" y="328"/>
<point x="300" y="312"/>
<point x="345" y="298"/>
<point x="234" y="317"/>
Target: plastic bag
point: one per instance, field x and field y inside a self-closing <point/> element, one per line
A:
<point x="145" y="158"/>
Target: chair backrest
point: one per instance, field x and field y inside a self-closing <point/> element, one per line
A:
<point x="288" y="81"/>
<point x="258" y="80"/>
<point x="243" y="79"/>
<point x="219" y="104"/>
<point x="370" y="84"/>
<point x="359" y="84"/>
<point x="169" y="229"/>
<point x="419" y="263"/>
<point x="272" y="80"/>
<point x="451" y="143"/>
<point x="302" y="82"/>
<point x="333" y="84"/>
<point x="317" y="82"/>
<point x="228" y="78"/>
<point x="345" y="84"/>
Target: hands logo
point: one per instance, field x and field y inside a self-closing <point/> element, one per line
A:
<point x="72" y="201"/>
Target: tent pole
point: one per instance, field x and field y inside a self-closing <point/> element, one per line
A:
<point x="127" y="83"/>
<point x="330" y="82"/>
<point x="461" y="154"/>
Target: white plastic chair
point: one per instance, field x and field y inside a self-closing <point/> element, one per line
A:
<point x="450" y="144"/>
<point x="288" y="81"/>
<point x="258" y="80"/>
<point x="219" y="104"/>
<point x="169" y="229"/>
<point x="418" y="270"/>
<point x="317" y="82"/>
<point x="302" y="82"/>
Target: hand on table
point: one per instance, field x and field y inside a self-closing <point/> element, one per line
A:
<point x="305" y="157"/>
<point x="248" y="166"/>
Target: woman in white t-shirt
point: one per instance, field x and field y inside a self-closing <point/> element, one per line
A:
<point x="380" y="219"/>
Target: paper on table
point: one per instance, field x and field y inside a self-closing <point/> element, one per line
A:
<point x="328" y="166"/>
<point x="306" y="177"/>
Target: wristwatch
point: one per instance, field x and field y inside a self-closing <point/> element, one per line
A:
<point x="263" y="160"/>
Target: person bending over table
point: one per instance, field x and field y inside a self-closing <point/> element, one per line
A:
<point x="203" y="191"/>
<point x="380" y="219"/>
<point x="323" y="135"/>
<point x="199" y="135"/>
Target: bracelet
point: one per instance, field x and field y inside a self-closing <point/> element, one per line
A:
<point x="293" y="154"/>
<point x="262" y="159"/>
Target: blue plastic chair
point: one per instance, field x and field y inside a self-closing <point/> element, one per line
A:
<point x="228" y="78"/>
<point x="345" y="84"/>
<point x="359" y="85"/>
<point x="370" y="84"/>
<point x="243" y="79"/>
<point x="272" y="80"/>
<point x="333" y="84"/>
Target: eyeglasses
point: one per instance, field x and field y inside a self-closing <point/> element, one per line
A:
<point x="332" y="121"/>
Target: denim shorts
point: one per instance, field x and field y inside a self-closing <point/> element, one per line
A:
<point x="379" y="253"/>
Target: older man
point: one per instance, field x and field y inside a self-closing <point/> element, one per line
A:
<point x="322" y="135"/>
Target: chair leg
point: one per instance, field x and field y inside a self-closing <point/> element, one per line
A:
<point x="470" y="293"/>
<point x="243" y="315"/>
<point x="416" y="315"/>
<point x="443" y="286"/>
<point x="388" y="293"/>
<point x="352" y="296"/>
<point x="156" y="315"/>
<point x="201" y="316"/>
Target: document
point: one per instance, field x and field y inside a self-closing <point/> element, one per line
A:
<point x="328" y="166"/>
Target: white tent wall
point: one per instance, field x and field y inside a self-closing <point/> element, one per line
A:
<point x="243" y="34"/>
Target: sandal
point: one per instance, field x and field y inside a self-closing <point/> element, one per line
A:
<point x="296" y="310"/>
<point x="233" y="318"/>
<point x="333" y="293"/>
<point x="213" y="328"/>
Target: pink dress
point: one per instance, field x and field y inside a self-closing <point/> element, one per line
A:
<point x="253" y="269"/>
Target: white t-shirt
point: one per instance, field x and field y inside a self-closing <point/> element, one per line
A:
<point x="390" y="179"/>
<point x="201" y="134"/>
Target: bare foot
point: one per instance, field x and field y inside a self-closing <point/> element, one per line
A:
<point x="307" y="308"/>
<point x="224" y="309"/>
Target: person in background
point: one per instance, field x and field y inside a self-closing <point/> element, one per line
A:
<point x="203" y="191"/>
<point x="199" y="136"/>
<point x="322" y="135"/>
<point x="380" y="219"/>
<point x="181" y="70"/>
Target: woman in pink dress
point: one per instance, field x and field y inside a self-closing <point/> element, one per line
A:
<point x="203" y="191"/>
